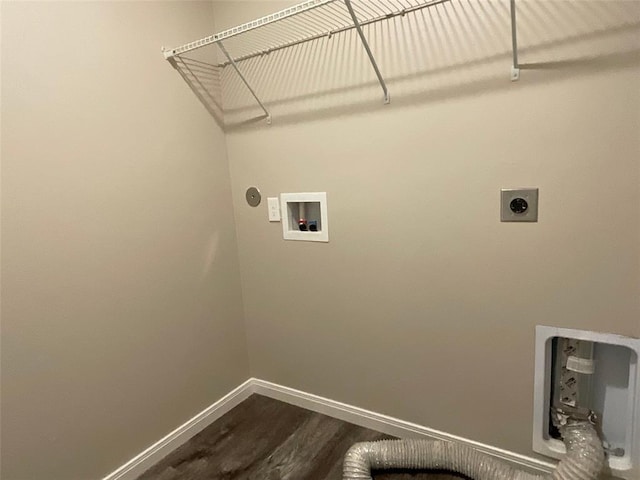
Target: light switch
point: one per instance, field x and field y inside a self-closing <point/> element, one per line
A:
<point x="274" y="209"/>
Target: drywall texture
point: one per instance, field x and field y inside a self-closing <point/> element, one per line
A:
<point x="121" y="302"/>
<point x="423" y="305"/>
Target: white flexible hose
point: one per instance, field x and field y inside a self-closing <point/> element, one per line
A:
<point x="584" y="459"/>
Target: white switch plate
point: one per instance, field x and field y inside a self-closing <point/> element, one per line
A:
<point x="274" y="209"/>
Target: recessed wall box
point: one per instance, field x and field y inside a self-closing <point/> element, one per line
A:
<point x="603" y="374"/>
<point x="304" y="216"/>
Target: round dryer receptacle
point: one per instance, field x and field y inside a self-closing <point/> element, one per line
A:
<point x="519" y="205"/>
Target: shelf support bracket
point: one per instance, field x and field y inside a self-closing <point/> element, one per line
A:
<point x="242" y="77"/>
<point x="356" y="23"/>
<point x="515" y="68"/>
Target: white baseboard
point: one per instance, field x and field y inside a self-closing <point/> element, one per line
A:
<point x="348" y="413"/>
<point x="389" y="425"/>
<point x="142" y="462"/>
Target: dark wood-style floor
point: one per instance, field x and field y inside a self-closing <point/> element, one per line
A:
<point x="264" y="439"/>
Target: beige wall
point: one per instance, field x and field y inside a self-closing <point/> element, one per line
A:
<point x="122" y="312"/>
<point x="121" y="303"/>
<point x="423" y="305"/>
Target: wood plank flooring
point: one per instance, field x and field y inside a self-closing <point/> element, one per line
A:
<point x="264" y="439"/>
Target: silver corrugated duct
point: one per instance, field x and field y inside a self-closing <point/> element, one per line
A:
<point x="584" y="459"/>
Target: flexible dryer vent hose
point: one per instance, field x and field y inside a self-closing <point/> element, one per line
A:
<point x="584" y="459"/>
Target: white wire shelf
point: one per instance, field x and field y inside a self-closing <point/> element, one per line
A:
<point x="301" y="23"/>
<point x="304" y="22"/>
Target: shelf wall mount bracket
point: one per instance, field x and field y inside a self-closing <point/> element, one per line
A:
<point x="515" y="68"/>
<point x="233" y="63"/>
<point x="356" y="23"/>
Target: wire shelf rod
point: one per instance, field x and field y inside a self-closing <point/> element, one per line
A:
<point x="195" y="60"/>
<point x="235" y="67"/>
<point x="274" y="17"/>
<point x="335" y="31"/>
<point x="365" y="44"/>
<point x="515" y="69"/>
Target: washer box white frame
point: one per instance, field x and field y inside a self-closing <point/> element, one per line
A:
<point x="626" y="467"/>
<point x="289" y="224"/>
